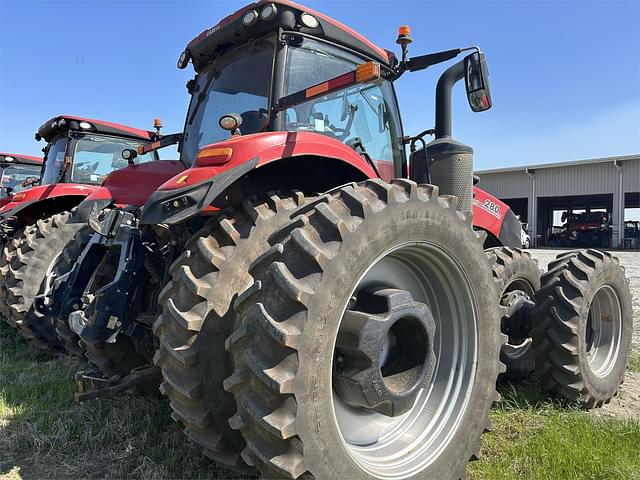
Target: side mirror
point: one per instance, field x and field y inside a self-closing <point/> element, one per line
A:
<point x="476" y="76"/>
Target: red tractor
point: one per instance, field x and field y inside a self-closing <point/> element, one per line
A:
<point x="17" y="172"/>
<point x="325" y="306"/>
<point x="79" y="154"/>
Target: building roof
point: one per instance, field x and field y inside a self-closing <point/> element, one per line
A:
<point x="573" y="163"/>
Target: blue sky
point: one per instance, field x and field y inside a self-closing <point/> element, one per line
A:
<point x="565" y="74"/>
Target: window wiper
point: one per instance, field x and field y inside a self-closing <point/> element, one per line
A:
<point x="203" y="94"/>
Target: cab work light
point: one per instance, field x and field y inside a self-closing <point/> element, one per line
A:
<point x="366" y="72"/>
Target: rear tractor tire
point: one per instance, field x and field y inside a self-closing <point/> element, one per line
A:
<point x="197" y="318"/>
<point x="32" y="254"/>
<point x="582" y="343"/>
<point x="367" y="347"/>
<point x="8" y="253"/>
<point x="518" y="279"/>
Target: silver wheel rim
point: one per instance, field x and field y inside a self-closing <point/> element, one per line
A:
<point x="603" y="332"/>
<point x="399" y="447"/>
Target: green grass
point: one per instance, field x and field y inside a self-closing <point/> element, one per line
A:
<point x="45" y="434"/>
<point x="534" y="438"/>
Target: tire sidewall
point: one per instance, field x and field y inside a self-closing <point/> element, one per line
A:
<point x="609" y="274"/>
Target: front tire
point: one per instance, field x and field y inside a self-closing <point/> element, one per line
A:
<point x="397" y="237"/>
<point x="583" y="341"/>
<point x="32" y="254"/>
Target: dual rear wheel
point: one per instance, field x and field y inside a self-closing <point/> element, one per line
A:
<point x="363" y="343"/>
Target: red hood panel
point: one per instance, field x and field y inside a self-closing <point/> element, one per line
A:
<point x="133" y="185"/>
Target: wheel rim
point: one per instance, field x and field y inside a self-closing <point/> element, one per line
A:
<point x="398" y="447"/>
<point x="517" y="348"/>
<point x="603" y="332"/>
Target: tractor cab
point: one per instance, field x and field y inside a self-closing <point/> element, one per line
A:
<point x="269" y="51"/>
<point x="18" y="172"/>
<point x="86" y="151"/>
<point x="290" y="93"/>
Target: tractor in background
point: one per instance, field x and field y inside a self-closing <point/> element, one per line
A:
<point x="79" y="154"/>
<point x="17" y="172"/>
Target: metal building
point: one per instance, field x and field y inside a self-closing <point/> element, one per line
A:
<point x="541" y="194"/>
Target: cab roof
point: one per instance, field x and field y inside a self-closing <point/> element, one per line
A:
<point x="19" y="159"/>
<point x="61" y="123"/>
<point x="230" y="32"/>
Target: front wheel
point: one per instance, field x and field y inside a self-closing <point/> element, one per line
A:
<point x="583" y="339"/>
<point x="367" y="347"/>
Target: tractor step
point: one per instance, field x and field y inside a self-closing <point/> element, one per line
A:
<point x="92" y="384"/>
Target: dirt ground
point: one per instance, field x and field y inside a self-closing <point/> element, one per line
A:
<point x="627" y="402"/>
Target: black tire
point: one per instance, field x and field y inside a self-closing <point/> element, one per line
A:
<point x="577" y="286"/>
<point x="282" y="343"/>
<point x="64" y="264"/>
<point x="36" y="249"/>
<point x="516" y="271"/>
<point x="8" y="253"/>
<point x="197" y="318"/>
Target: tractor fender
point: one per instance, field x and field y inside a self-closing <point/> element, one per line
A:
<point x="29" y="202"/>
<point x="177" y="205"/>
<point x="221" y="164"/>
<point x="496" y="218"/>
<point x="128" y="187"/>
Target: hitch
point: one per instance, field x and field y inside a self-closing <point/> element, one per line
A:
<point x="92" y="384"/>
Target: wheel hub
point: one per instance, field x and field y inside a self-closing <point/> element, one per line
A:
<point x="517" y="322"/>
<point x="384" y="351"/>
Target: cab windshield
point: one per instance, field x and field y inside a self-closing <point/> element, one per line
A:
<point x="14" y="178"/>
<point x="364" y="117"/>
<point x="236" y="82"/>
<point x="93" y="158"/>
<point x="54" y="161"/>
<point x="96" y="156"/>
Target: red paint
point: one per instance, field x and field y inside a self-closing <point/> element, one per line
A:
<point x="234" y="16"/>
<point x="23" y="158"/>
<point x="46" y="192"/>
<point x="383" y="53"/>
<point x="484" y="217"/>
<point x="270" y="147"/>
<point x="133" y="185"/>
<point x="145" y="134"/>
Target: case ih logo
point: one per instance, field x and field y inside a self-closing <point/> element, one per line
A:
<point x="490" y="206"/>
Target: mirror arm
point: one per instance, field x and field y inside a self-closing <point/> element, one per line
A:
<point x="447" y="80"/>
<point x="164" y="141"/>
<point x="425" y="61"/>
